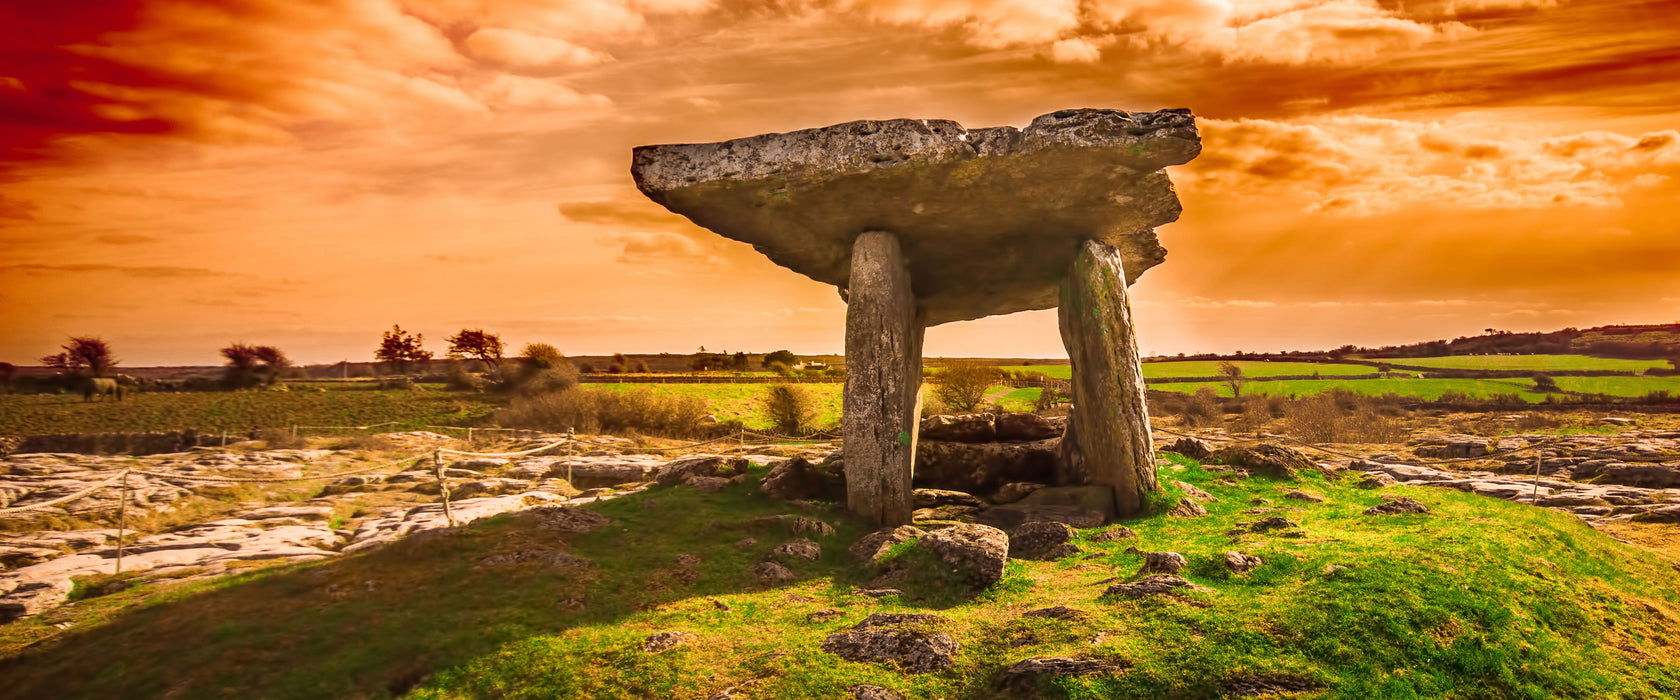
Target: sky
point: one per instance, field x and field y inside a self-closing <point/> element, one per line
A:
<point x="176" y="176"/>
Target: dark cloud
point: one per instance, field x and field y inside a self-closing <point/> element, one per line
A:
<point x="639" y="213"/>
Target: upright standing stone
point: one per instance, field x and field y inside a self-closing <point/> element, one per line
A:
<point x="1110" y="419"/>
<point x="883" y="375"/>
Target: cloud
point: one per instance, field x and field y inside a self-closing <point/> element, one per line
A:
<point x="455" y="259"/>
<point x="17" y="209"/>
<point x="1275" y="31"/>
<point x="651" y="248"/>
<point x="1358" y="166"/>
<point x="987" y="23"/>
<point x="514" y="91"/>
<point x="151" y="271"/>
<point x="1075" y="50"/>
<point x="635" y="213"/>
<point x="124" y="238"/>
<point x="516" y="48"/>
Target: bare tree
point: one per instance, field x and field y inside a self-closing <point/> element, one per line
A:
<point x="1233" y="377"/>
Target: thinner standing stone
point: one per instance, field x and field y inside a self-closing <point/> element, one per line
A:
<point x="883" y="376"/>
<point x="1110" y="419"/>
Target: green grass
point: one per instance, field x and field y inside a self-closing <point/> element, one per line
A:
<point x="1432" y="389"/>
<point x="1197" y="368"/>
<point x="744" y="402"/>
<point x="1020" y="400"/>
<point x="1536" y="363"/>
<point x="1619" y="386"/>
<point x="1481" y="599"/>
<point x="34" y="414"/>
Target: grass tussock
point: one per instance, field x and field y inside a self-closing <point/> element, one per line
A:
<point x="593" y="410"/>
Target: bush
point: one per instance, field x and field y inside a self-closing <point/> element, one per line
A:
<point x="1202" y="409"/>
<point x="460" y="379"/>
<point x="1256" y="414"/>
<point x="1544" y="382"/>
<point x="962" y="386"/>
<point x="592" y="410"/>
<point x="549" y="380"/>
<point x="280" y="439"/>
<point x="790" y="408"/>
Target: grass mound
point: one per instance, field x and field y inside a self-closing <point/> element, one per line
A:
<point x="1480" y="598"/>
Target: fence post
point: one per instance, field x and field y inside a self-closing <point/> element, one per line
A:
<point x="294" y="431"/>
<point x="443" y="486"/>
<point x="469" y="435"/>
<point x="122" y="521"/>
<point x="571" y="436"/>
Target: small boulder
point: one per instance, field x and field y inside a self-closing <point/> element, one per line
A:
<point x="1022" y="427"/>
<point x="1376" y="480"/>
<point x="1012" y="516"/>
<point x="977" y="552"/>
<point x="1274" y="523"/>
<point x="1159" y="584"/>
<point x="802" y="549"/>
<point x="944" y="514"/>
<point x="1665" y="514"/>
<point x="1015" y="491"/>
<point x="871" y="546"/>
<point x="1119" y="533"/>
<point x="708" y="484"/>
<point x="679" y="471"/>
<point x="794" y="480"/>
<point x="1042" y="541"/>
<point x="934" y="498"/>
<point x="1188" y="508"/>
<point x="659" y="642"/>
<point x="771" y="573"/>
<point x="864" y="691"/>
<point x="1268" y="460"/>
<point x="1398" y="506"/>
<point x="1195" y="493"/>
<point x="1021" y="679"/>
<point x="1241" y="563"/>
<point x="913" y="650"/>
<point x="1059" y="612"/>
<point x="967" y="427"/>
<point x="1299" y="495"/>
<point x="1194" y="448"/>
<point x="1162" y="563"/>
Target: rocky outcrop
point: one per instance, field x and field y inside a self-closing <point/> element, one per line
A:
<point x="965" y="427"/>
<point x="1025" y="427"/>
<point x="975" y="552"/>
<point x="1158" y="584"/>
<point x="1268" y="460"/>
<point x="1015" y="203"/>
<point x="1042" y="541"/>
<point x="901" y="640"/>
<point x="1398" y="506"/>
<point x="707" y="466"/>
<point x="870" y="547"/>
<point x="796" y="479"/>
<point x="983" y="467"/>
<point x="1022" y="678"/>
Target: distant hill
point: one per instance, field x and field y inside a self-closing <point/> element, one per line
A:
<point x="1647" y="342"/>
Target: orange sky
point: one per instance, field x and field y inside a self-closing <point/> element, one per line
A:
<point x="178" y="175"/>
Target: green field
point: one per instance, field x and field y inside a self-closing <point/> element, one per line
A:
<point x="1422" y="388"/>
<point x="744" y="402"/>
<point x="1619" y="386"/>
<point x="1537" y="363"/>
<point x="1480" y="598"/>
<point x="37" y="414"/>
<point x="1197" y="368"/>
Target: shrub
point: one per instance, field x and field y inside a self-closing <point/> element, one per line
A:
<point x="460" y="379"/>
<point x="1256" y="415"/>
<point x="280" y="439"/>
<point x="1202" y="409"/>
<point x="592" y="410"/>
<point x="1314" y="419"/>
<point x="1048" y="397"/>
<point x="1544" y="382"/>
<point x="549" y="380"/>
<point x="790" y="408"/>
<point x="962" y="385"/>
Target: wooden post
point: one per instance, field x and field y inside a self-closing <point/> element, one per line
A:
<point x="1109" y="418"/>
<point x="883" y="378"/>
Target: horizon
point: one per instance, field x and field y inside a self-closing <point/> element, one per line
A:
<point x="1372" y="174"/>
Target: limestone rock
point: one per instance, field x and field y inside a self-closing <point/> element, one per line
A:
<point x="771" y="573"/>
<point x="1665" y="514"/>
<point x="977" y="552"/>
<point x="884" y="333"/>
<point x="871" y="546"/>
<point x="1158" y="584"/>
<point x="1194" y="448"/>
<point x="1299" y="495"/>
<point x="1021" y="678"/>
<point x="864" y="691"/>
<point x="1112" y="424"/>
<point x="1398" y="506"/>
<point x="1058" y="612"/>
<point x="1025" y="427"/>
<point x="1017" y="203"/>
<point x="1195" y="493"/>
<point x="1118" y="533"/>
<point x="802" y="549"/>
<point x="1042" y="541"/>
<point x="569" y="518"/>
<point x="1241" y="563"/>
<point x="1187" y="508"/>
<point x="934" y="498"/>
<point x="1275" y="523"/>
<point x="982" y="467"/>
<point x="1376" y="480"/>
<point x="965" y="427"/>
<point x="1015" y="491"/>
<point x="1012" y="516"/>
<point x="708" y="484"/>
<point x="795" y="480"/>
<point x="682" y="470"/>
<point x="1162" y="563"/>
<point x="944" y="514"/>
<point x="913" y="650"/>
<point x="1269" y="460"/>
<point x="663" y="641"/>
